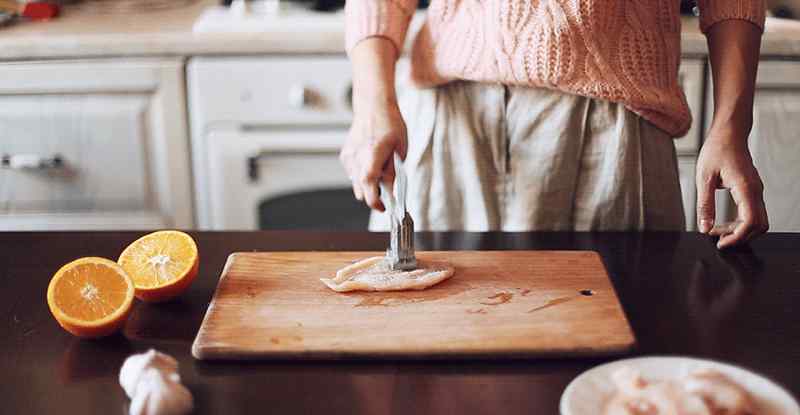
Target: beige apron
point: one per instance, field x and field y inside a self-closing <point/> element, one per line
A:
<point x="486" y="157"/>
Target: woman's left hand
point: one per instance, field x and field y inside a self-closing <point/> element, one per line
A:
<point x="725" y="163"/>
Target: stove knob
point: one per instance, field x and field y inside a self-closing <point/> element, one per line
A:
<point x="299" y="96"/>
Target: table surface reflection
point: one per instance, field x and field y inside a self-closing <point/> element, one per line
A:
<point x="681" y="296"/>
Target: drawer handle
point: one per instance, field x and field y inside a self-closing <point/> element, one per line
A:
<point x="253" y="161"/>
<point x="300" y="96"/>
<point x="31" y="162"/>
<point x="348" y="96"/>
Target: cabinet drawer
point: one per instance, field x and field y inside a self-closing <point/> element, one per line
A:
<point x="98" y="144"/>
<point x="280" y="90"/>
<point x="102" y="166"/>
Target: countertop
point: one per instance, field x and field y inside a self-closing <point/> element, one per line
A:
<point x="81" y="31"/>
<point x="681" y="295"/>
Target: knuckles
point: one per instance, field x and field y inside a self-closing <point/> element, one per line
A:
<point x="752" y="187"/>
<point x="705" y="177"/>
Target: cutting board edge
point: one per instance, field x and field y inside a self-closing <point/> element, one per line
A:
<point x="615" y="292"/>
<point x="214" y="353"/>
<point x="212" y="304"/>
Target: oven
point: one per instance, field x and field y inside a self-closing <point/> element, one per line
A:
<point x="266" y="133"/>
<point x="280" y="180"/>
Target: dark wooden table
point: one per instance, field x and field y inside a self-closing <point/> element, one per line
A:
<point x="681" y="296"/>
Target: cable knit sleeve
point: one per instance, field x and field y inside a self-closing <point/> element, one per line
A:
<point x="715" y="11"/>
<point x="385" y="18"/>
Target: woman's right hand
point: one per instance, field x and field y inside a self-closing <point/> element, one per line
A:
<point x="375" y="135"/>
<point x="378" y="130"/>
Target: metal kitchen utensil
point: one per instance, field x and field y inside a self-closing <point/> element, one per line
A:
<point x="400" y="255"/>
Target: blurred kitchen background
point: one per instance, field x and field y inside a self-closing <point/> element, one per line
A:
<point x="140" y="114"/>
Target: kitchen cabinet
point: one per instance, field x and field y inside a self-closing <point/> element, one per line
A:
<point x="108" y="98"/>
<point x="98" y="144"/>
<point x="774" y="143"/>
<point x="686" y="173"/>
<point x="690" y="77"/>
<point x="104" y="143"/>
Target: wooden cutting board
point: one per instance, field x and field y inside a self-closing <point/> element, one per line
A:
<point x="499" y="304"/>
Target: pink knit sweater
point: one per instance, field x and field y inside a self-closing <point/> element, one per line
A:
<point x="626" y="51"/>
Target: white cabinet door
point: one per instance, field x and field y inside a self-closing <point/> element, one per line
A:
<point x="774" y="143"/>
<point x="686" y="171"/>
<point x="690" y="78"/>
<point x="93" y="145"/>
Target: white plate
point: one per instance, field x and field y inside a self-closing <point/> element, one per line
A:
<point x="587" y="394"/>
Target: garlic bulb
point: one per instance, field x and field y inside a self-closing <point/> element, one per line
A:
<point x="152" y="382"/>
<point x="135" y="365"/>
<point x="157" y="395"/>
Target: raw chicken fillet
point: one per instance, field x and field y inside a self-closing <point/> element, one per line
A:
<point x="703" y="392"/>
<point x="374" y="274"/>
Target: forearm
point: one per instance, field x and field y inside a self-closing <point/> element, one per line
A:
<point x="377" y="130"/>
<point x="734" y="47"/>
<point x="373" y="62"/>
<point x="724" y="160"/>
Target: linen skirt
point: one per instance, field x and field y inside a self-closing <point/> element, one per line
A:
<point x="485" y="157"/>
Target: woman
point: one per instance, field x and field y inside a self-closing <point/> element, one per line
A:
<point x="551" y="114"/>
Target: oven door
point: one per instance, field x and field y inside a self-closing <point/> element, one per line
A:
<point x="275" y="179"/>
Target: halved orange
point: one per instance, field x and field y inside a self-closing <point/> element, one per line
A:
<point x="161" y="264"/>
<point x="90" y="297"/>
